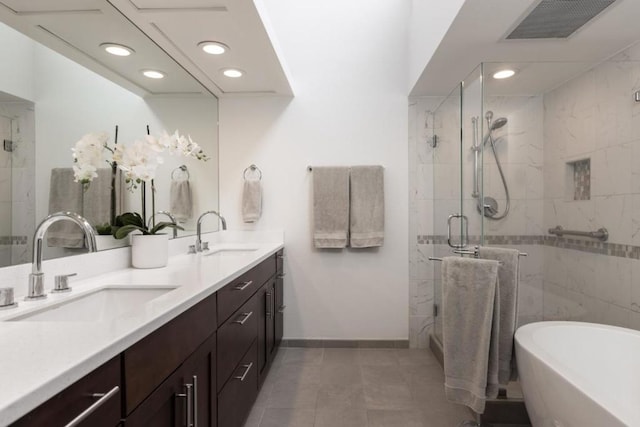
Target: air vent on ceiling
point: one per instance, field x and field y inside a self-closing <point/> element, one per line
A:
<point x="553" y="19"/>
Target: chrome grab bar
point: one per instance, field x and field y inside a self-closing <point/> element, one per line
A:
<point x="464" y="239"/>
<point x="601" y="233"/>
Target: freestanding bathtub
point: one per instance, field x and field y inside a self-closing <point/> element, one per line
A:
<point x="576" y="374"/>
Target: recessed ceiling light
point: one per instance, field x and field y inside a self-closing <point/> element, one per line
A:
<point x="117" y="49"/>
<point x="213" y="48"/>
<point x="503" y="74"/>
<point x="153" y="74"/>
<point x="232" y="72"/>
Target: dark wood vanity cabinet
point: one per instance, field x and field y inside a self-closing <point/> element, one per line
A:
<point x="98" y="394"/>
<point x="203" y="368"/>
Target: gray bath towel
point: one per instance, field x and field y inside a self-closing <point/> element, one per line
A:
<point x="508" y="279"/>
<point x="180" y="200"/>
<point x="367" y="206"/>
<point x="330" y="206"/>
<point x="251" y="200"/>
<point x="93" y="202"/>
<point x="96" y="199"/>
<point x="65" y="195"/>
<point x="469" y="289"/>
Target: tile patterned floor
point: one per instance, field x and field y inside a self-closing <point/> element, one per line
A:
<point x="311" y="387"/>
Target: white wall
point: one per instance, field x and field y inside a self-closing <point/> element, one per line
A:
<point x="429" y="22"/>
<point x="348" y="62"/>
<point x="16" y="74"/>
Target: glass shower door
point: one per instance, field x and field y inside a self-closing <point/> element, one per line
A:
<point x="457" y="166"/>
<point x="447" y="201"/>
<point x="5" y="190"/>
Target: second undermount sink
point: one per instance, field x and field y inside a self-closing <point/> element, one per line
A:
<point x="231" y="251"/>
<point x="98" y="305"/>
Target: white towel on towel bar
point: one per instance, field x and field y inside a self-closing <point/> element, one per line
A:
<point x="367" y="207"/>
<point x="470" y="330"/>
<point x="330" y="207"/>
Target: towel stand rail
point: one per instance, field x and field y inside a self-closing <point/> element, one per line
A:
<point x="473" y="252"/>
<point x="601" y="233"/>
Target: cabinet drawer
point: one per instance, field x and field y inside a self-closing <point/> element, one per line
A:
<point x="235" y="337"/>
<point x="237" y="396"/>
<point x="99" y="389"/>
<point x="151" y="360"/>
<point x="236" y="293"/>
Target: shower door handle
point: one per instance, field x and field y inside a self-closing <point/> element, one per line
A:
<point x="464" y="238"/>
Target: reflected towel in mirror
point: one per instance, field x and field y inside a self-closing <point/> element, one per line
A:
<point x="180" y="200"/>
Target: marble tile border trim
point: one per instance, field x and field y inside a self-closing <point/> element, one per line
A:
<point x="314" y="343"/>
<point x="583" y="245"/>
<point x="13" y="240"/>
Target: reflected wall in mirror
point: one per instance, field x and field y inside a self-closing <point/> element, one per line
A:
<point x="48" y="102"/>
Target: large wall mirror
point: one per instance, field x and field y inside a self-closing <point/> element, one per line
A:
<point x="58" y="84"/>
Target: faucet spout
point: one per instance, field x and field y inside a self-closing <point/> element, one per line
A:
<point x="171" y="217"/>
<point x="199" y="227"/>
<point x="36" y="278"/>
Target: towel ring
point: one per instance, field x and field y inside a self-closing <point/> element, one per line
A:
<point x="252" y="168"/>
<point x="182" y="168"/>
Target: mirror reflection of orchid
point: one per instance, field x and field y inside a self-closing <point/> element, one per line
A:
<point x="138" y="162"/>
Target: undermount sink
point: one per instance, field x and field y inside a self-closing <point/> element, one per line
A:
<point x="231" y="251"/>
<point x="95" y="306"/>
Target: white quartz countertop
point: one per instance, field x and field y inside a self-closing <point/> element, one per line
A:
<point x="40" y="358"/>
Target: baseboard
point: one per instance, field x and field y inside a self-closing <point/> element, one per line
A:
<point x="319" y="343"/>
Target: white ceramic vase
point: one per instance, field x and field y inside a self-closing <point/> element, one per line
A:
<point x="149" y="251"/>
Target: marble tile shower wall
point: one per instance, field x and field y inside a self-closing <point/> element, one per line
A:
<point x="17" y="195"/>
<point x="595" y="117"/>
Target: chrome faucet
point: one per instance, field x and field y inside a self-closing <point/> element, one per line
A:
<point x="199" y="245"/>
<point x="171" y="217"/>
<point x="36" y="278"/>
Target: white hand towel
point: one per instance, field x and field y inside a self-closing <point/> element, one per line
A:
<point x="508" y="284"/>
<point x="180" y="200"/>
<point x="251" y="200"/>
<point x="367" y="206"/>
<point x="65" y="195"/>
<point x="469" y="293"/>
<point x="330" y="207"/>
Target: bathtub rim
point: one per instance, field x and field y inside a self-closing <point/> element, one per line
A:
<point x="524" y="341"/>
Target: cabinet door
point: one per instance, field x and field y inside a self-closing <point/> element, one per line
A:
<point x="270" y="319"/>
<point x="187" y="396"/>
<point x="266" y="324"/>
<point x="279" y="310"/>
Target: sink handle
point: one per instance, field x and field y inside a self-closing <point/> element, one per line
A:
<point x="62" y="283"/>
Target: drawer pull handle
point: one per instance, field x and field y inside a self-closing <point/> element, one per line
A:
<point x="195" y="401"/>
<point x="189" y="390"/>
<point x="281" y="276"/>
<point x="244" y="375"/>
<point x="280" y="256"/>
<point x="91" y="409"/>
<point x="244" y="285"/>
<point x="281" y="309"/>
<point x="245" y="318"/>
<point x="269" y="305"/>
